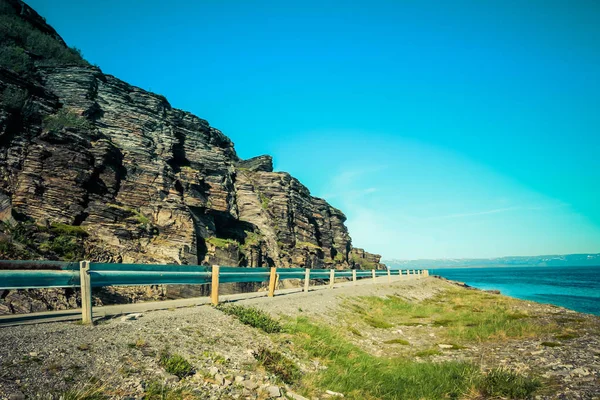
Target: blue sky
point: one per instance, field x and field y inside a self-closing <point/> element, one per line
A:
<point x="442" y="129"/>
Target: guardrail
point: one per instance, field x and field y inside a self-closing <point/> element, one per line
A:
<point x="86" y="275"/>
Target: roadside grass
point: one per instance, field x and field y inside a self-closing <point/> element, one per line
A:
<point x="176" y="364"/>
<point x="503" y="383"/>
<point x="155" y="390"/>
<point x="397" y="341"/>
<point x="466" y="316"/>
<point x="92" y="390"/>
<point x="359" y="375"/>
<point x="279" y="365"/>
<point x="252" y="316"/>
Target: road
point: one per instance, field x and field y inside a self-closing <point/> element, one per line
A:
<point x="103" y="312"/>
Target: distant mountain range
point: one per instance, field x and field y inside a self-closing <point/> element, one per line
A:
<point x="568" y="260"/>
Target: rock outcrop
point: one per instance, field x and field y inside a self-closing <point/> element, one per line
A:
<point x="146" y="182"/>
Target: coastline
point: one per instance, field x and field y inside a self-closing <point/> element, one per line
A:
<point x="576" y="288"/>
<point x="558" y="346"/>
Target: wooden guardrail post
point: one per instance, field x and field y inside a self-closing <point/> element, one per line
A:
<point x="374" y="276"/>
<point x="272" y="281"/>
<point x="86" y="292"/>
<point x="214" y="289"/>
<point x="306" y="279"/>
<point x="331" y="278"/>
<point x="354" y="277"/>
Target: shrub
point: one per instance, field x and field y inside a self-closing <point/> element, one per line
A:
<point x="15" y="59"/>
<point x="14" y="98"/>
<point x="279" y="365"/>
<point x="15" y="32"/>
<point x="175" y="364"/>
<point x="64" y="246"/>
<point x="264" y="200"/>
<point x="252" y="316"/>
<point x="66" y="119"/>
<point x="504" y="383"/>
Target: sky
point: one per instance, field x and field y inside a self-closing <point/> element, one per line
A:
<point x="442" y="129"/>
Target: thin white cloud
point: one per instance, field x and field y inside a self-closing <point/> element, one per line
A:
<point x="472" y="214"/>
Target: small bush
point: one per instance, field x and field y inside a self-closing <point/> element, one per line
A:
<point x="279" y="365"/>
<point x="15" y="59"/>
<point x="252" y="316"/>
<point x="264" y="200"/>
<point x="14" y="98"/>
<point x="508" y="384"/>
<point x="175" y="364"/>
<point x="65" y="246"/>
<point x="66" y="119"/>
<point x="16" y="32"/>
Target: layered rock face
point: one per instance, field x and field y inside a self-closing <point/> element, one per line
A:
<point x="150" y="183"/>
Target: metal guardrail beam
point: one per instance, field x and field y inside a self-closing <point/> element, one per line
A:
<point x="57" y="274"/>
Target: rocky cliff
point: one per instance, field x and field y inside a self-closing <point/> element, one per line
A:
<point x="114" y="173"/>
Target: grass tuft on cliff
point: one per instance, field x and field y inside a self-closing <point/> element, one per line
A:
<point x="66" y="119"/>
<point x="222" y="243"/>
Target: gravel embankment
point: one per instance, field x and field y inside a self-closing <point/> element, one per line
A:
<point x="48" y="359"/>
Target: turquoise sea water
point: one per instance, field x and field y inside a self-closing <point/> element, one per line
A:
<point x="577" y="288"/>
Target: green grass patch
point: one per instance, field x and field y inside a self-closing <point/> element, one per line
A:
<point x="428" y="353"/>
<point x="377" y="322"/>
<point x="69" y="230"/>
<point x="308" y="245"/>
<point x="461" y="315"/>
<point x="252" y="316"/>
<point x="176" y="364"/>
<point x="279" y="365"/>
<point x="360" y="375"/>
<point x="503" y="383"/>
<point x="155" y="390"/>
<point x="397" y="341"/>
<point x="354" y="331"/>
<point x="567" y="336"/>
<point x="66" y="119"/>
<point x="222" y="243"/>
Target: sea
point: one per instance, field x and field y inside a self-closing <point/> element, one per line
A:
<point x="577" y="288"/>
